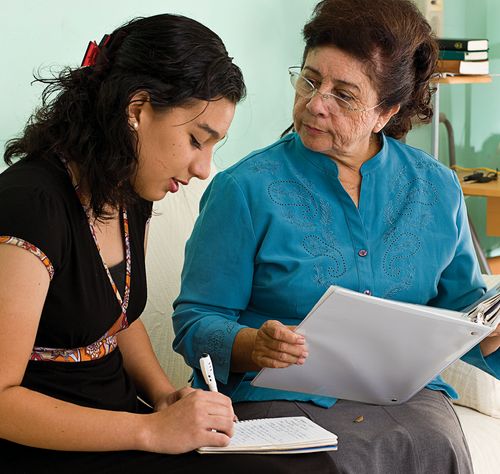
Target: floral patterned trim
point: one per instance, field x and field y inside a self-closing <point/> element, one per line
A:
<point x="101" y="348"/>
<point x="94" y="351"/>
<point x="6" y="239"/>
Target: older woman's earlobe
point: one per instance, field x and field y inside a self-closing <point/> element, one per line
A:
<point x="382" y="122"/>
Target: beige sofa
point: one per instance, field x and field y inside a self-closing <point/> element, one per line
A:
<point x="170" y="228"/>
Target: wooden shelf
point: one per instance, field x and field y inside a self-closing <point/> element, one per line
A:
<point x="491" y="189"/>
<point x="464" y="79"/>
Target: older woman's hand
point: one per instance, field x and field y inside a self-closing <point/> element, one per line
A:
<point x="167" y="399"/>
<point x="491" y="343"/>
<point x="277" y="346"/>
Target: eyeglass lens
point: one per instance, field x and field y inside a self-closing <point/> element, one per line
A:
<point x="307" y="90"/>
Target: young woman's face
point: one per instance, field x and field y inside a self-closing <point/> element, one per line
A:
<point x="177" y="145"/>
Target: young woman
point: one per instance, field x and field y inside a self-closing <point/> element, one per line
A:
<point x="137" y="120"/>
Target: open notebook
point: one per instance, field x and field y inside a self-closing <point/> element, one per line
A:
<point x="287" y="435"/>
<point x="380" y="351"/>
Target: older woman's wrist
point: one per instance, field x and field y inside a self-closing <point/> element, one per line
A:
<point x="241" y="355"/>
<point x="490" y="345"/>
<point x="161" y="395"/>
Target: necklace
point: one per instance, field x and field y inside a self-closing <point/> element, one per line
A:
<point x="128" y="260"/>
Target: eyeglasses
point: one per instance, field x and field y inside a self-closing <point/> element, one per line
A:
<point x="307" y="89"/>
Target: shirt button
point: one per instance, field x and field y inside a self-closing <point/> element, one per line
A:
<point x="363" y="253"/>
<point x="367" y="292"/>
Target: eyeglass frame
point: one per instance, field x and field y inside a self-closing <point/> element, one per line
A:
<point x="296" y="71"/>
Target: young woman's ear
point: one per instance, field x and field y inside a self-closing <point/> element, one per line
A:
<point x="136" y="108"/>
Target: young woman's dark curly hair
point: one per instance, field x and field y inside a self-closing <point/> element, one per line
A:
<point x="396" y="44"/>
<point x="83" y="117"/>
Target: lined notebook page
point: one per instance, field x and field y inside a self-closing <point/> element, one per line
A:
<point x="278" y="433"/>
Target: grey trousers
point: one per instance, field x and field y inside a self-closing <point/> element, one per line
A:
<point x="422" y="436"/>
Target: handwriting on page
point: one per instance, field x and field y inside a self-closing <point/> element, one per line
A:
<point x="276" y="431"/>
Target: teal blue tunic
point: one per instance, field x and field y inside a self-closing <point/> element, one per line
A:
<point x="277" y="228"/>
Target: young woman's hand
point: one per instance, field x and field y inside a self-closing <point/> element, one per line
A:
<point x="189" y="422"/>
<point x="277" y="346"/>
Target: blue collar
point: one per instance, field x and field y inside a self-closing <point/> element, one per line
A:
<point x="328" y="166"/>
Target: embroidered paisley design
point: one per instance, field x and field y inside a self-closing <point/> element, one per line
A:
<point x="297" y="202"/>
<point x="307" y="212"/>
<point x="336" y="266"/>
<point x="215" y="345"/>
<point x="408" y="213"/>
<point x="417" y="192"/>
<point x="265" y="167"/>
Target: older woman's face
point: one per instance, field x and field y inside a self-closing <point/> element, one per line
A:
<point x="329" y="128"/>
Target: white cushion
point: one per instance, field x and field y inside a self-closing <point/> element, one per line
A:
<point x="171" y="225"/>
<point x="477" y="389"/>
<point x="483" y="437"/>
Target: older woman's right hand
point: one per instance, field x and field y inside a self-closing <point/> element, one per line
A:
<point x="277" y="346"/>
<point x="198" y="419"/>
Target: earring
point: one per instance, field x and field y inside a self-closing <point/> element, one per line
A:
<point x="135" y="125"/>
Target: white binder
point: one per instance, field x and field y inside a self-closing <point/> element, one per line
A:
<point x="380" y="351"/>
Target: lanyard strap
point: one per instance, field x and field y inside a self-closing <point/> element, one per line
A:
<point x="128" y="262"/>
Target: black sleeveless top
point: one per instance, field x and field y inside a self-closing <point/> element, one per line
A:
<point x="38" y="205"/>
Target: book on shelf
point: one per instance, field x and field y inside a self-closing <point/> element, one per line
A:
<point x="463" y="44"/>
<point x="286" y="435"/>
<point x="380" y="351"/>
<point x="463" y="67"/>
<point x="463" y="55"/>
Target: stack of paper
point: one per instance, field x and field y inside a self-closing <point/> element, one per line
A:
<point x="285" y="435"/>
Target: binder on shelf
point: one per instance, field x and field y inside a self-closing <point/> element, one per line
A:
<point x="463" y="67"/>
<point x="463" y="55"/>
<point x="380" y="351"/>
<point x="463" y="44"/>
<point x="287" y="435"/>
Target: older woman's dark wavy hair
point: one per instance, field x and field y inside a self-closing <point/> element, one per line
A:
<point x="394" y="41"/>
<point x="83" y="117"/>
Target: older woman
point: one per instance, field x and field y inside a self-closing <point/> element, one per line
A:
<point x="338" y="201"/>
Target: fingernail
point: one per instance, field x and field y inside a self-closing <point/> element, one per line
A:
<point x="305" y="354"/>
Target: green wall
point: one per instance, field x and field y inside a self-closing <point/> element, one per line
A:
<point x="264" y="36"/>
<point x="473" y="110"/>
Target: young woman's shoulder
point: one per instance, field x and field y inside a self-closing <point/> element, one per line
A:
<point x="32" y="175"/>
<point x="35" y="204"/>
